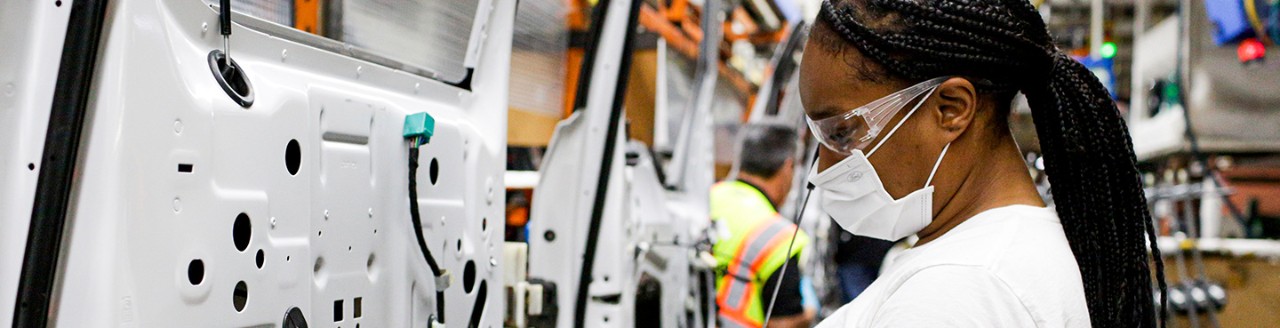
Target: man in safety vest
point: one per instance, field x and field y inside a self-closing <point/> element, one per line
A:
<point x="753" y="238"/>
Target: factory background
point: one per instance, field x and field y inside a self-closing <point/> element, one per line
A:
<point x="559" y="155"/>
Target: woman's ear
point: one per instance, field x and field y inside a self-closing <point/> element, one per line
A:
<point x="957" y="101"/>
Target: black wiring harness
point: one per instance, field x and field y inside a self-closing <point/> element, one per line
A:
<point x="416" y="217"/>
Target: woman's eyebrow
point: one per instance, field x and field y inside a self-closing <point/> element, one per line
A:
<point x="825" y="111"/>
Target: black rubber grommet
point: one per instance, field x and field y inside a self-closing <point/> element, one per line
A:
<point x="234" y="81"/>
<point x="294" y="319"/>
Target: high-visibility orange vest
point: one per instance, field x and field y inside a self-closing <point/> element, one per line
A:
<point x="755" y="248"/>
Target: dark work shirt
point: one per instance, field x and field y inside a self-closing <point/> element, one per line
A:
<point x="853" y="249"/>
<point x="789" y="300"/>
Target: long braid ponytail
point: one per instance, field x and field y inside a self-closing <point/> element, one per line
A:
<point x="1090" y="162"/>
<point x="1088" y="152"/>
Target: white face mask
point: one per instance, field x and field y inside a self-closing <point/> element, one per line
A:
<point x="854" y="196"/>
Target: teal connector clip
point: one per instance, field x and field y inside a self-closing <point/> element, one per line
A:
<point x="419" y="127"/>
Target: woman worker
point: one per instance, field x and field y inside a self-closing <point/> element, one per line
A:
<point x="910" y="100"/>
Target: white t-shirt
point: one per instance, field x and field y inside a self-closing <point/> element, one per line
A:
<point x="1006" y="267"/>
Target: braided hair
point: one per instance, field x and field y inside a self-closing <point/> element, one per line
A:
<point x="1004" y="47"/>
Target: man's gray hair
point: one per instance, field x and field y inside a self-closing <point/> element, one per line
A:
<point x="765" y="147"/>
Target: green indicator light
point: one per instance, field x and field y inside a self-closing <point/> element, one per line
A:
<point x="1108" y="50"/>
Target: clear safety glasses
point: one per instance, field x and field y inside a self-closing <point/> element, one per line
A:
<point x="855" y="129"/>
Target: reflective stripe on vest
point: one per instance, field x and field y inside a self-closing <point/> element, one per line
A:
<point x="744" y="214"/>
<point x="740" y="282"/>
<point x="730" y="320"/>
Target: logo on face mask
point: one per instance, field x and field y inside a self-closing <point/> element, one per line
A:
<point x="855" y="176"/>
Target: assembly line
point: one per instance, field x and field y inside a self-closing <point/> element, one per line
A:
<point x="639" y="163"/>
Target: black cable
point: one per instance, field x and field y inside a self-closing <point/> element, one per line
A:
<point x="414" y="213"/>
<point x="417" y="226"/>
<point x="1192" y="140"/>
<point x="1210" y="171"/>
<point x="799" y="216"/>
<point x="782" y="273"/>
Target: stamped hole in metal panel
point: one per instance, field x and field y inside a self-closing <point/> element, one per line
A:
<point x="240" y="297"/>
<point x="241" y="231"/>
<point x="293" y="157"/>
<point x="195" y="271"/>
<point x="337" y="310"/>
<point x="434" y="170"/>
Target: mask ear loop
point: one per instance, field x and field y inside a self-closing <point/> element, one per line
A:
<point x="936" y="165"/>
<point x="904" y="120"/>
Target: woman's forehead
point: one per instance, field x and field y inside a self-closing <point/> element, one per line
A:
<point x="828" y="85"/>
